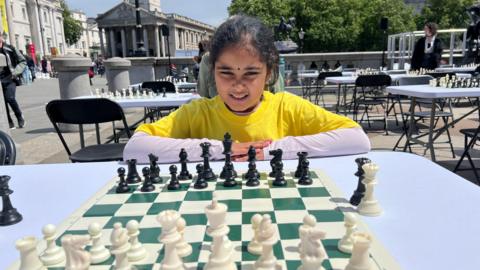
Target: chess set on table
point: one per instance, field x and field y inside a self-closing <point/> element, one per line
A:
<point x="280" y="221"/>
<point x="455" y="82"/>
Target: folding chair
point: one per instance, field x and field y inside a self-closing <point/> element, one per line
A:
<point x="320" y="84"/>
<point x="473" y="134"/>
<point x="89" y="111"/>
<point x="159" y="88"/>
<point x="8" y="150"/>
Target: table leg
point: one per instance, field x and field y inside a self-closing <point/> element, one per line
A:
<point x="345" y="99"/>
<point x="338" y="98"/>
<point x="430" y="131"/>
<point x="410" y="124"/>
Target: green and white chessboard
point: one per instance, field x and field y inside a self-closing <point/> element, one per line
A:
<point x="286" y="205"/>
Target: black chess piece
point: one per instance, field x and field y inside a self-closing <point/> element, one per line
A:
<point x="174" y="184"/>
<point x="252" y="167"/>
<point x="122" y="186"/>
<point x="147" y="180"/>
<point x="200" y="183"/>
<point x="184" y="173"/>
<point x="164" y="91"/>
<point x="279" y="175"/>
<point x="132" y="174"/>
<point x="359" y="192"/>
<point x="9" y="214"/>
<point x="154" y="169"/>
<point x="305" y="179"/>
<point x="301" y="157"/>
<point x="227" y="151"/>
<point x="277" y="156"/>
<point x="229" y="177"/>
<point x="207" y="171"/>
<point x="252" y="175"/>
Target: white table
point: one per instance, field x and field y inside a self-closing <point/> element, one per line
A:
<point x="456" y="69"/>
<point x="433" y="93"/>
<point x="430" y="221"/>
<point x="170" y="100"/>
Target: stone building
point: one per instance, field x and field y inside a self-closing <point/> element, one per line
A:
<point x="37" y="22"/>
<point x="89" y="42"/>
<point x="118" y="26"/>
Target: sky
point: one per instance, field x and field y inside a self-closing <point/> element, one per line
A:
<point x="212" y="12"/>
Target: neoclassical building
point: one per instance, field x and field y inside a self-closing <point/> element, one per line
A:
<point x="37" y="22"/>
<point x="89" y="42"/>
<point x="118" y="26"/>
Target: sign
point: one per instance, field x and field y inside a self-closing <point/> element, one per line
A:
<point x="3" y="13"/>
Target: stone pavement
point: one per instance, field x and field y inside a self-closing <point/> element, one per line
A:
<point x="39" y="143"/>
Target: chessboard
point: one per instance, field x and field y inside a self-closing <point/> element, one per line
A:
<point x="286" y="205"/>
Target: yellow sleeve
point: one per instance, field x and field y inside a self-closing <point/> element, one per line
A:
<point x="169" y="126"/>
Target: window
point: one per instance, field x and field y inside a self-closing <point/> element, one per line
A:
<point x="49" y="44"/>
<point x="12" y="9"/>
<point x="45" y="18"/>
<point x="60" y="45"/>
<point x="24" y="13"/>
<point x="83" y="45"/>
<point x="27" y="40"/>
<point x="16" y="41"/>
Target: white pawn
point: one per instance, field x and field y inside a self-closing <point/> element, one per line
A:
<point x="346" y="243"/>
<point x="120" y="247"/>
<point x="183" y="248"/>
<point x="360" y="259"/>
<point x="29" y="259"/>
<point x="137" y="251"/>
<point x="98" y="252"/>
<point x="52" y="254"/>
<point x="77" y="257"/>
<point x="313" y="251"/>
<point x="369" y="205"/>
<point x="309" y="222"/>
<point x="268" y="237"/>
<point x="170" y="237"/>
<point x="255" y="247"/>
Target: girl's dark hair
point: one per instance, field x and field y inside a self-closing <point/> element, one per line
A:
<point x="433" y="27"/>
<point x="241" y="30"/>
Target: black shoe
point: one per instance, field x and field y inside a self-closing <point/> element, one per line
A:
<point x="21" y="123"/>
<point x="11" y="125"/>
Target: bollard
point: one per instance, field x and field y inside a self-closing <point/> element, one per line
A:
<point x="117" y="73"/>
<point x="142" y="69"/>
<point x="72" y="75"/>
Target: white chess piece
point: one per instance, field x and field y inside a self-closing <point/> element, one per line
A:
<point x="255" y="247"/>
<point x="170" y="237"/>
<point x="120" y="247"/>
<point x="346" y="243"/>
<point x="221" y="257"/>
<point x="309" y="222"/>
<point x="369" y="205"/>
<point x="53" y="254"/>
<point x="313" y="250"/>
<point x="98" y="252"/>
<point x="268" y="237"/>
<point x="29" y="259"/>
<point x="184" y="249"/>
<point x="77" y="257"/>
<point x="360" y="259"/>
<point x="137" y="251"/>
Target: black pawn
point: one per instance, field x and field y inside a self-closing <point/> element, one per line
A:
<point x="9" y="214"/>
<point x="359" y="192"/>
<point x="277" y="156"/>
<point x="252" y="175"/>
<point x="173" y="184"/>
<point x="200" y="183"/>
<point x="132" y="174"/>
<point x="147" y="182"/>
<point x="229" y="177"/>
<point x="305" y="179"/>
<point x="164" y="91"/>
<point x="154" y="170"/>
<point x="279" y="175"/>
<point x="184" y="173"/>
<point x="301" y="157"/>
<point x="122" y="184"/>
<point x="207" y="171"/>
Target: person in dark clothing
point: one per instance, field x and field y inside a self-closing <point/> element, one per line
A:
<point x="313" y="66"/>
<point x="31" y="66"/>
<point x="428" y="49"/>
<point x="44" y="64"/>
<point x="9" y="76"/>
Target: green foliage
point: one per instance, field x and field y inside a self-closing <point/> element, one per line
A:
<point x="446" y="13"/>
<point x="72" y="27"/>
<point x="333" y="25"/>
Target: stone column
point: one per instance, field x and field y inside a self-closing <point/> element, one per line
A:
<point x="184" y="40"/>
<point x="42" y="29"/>
<point x="134" y="39"/>
<point x="157" y="42"/>
<point x="124" y="42"/>
<point x="54" y="28"/>
<point x="163" y="46"/>
<point x="145" y="40"/>
<point x="117" y="73"/>
<point x="112" y="42"/>
<point x="142" y="69"/>
<point x="102" y="43"/>
<point x="3" y="113"/>
<point x="11" y="28"/>
<point x="72" y="75"/>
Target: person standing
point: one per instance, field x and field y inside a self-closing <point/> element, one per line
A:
<point x="428" y="49"/>
<point x="10" y="76"/>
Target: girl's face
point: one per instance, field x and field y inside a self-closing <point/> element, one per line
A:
<point x="240" y="77"/>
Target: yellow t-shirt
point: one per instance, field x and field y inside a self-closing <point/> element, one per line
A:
<point x="279" y="115"/>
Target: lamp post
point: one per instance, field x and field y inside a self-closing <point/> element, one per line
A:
<point x="140" y="52"/>
<point x="301" y="35"/>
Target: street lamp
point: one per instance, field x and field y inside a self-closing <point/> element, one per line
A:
<point x="301" y="35"/>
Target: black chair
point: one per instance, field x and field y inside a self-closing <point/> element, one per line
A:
<point x="369" y="92"/>
<point x="8" y="150"/>
<point x="320" y="85"/>
<point x="89" y="111"/>
<point x="158" y="86"/>
<point x="473" y="135"/>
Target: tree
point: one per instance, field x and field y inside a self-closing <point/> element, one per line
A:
<point x="72" y="28"/>
<point x="446" y="13"/>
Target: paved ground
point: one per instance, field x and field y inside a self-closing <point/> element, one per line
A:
<point x="38" y="143"/>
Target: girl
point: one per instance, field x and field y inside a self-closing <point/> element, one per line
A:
<point x="245" y="61"/>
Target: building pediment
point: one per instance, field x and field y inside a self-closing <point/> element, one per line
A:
<point x="124" y="14"/>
